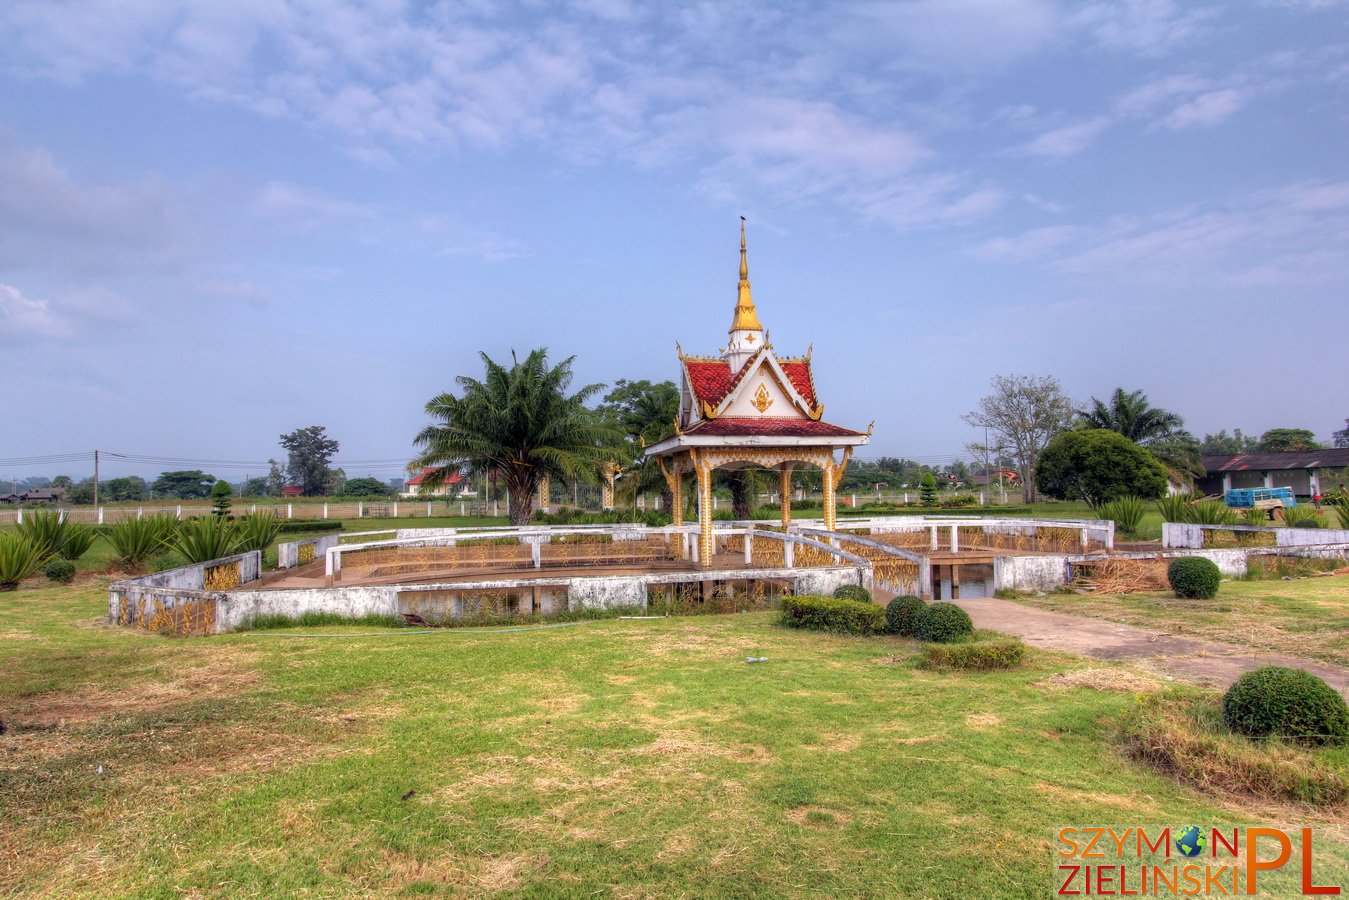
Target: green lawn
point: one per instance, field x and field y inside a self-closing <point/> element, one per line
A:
<point x="1306" y="617"/>
<point x="610" y="758"/>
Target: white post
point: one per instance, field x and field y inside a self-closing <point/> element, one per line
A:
<point x="395" y="509"/>
<point x="428" y="509"/>
<point x="179" y="513"/>
<point x="325" y="510"/>
<point x="360" y="509"/>
<point x="18" y="518"/>
<point x="789" y="553"/>
<point x="983" y="498"/>
<point x="1084" y="540"/>
<point x="749" y="548"/>
<point x="100" y="515"/>
<point x="714" y="502"/>
<point x="290" y="510"/>
<point x="854" y="501"/>
<point x="932" y="534"/>
<point x="495" y="510"/>
<point x="955" y="538"/>
<point x="140" y="511"/>
<point x="536" y="553"/>
<point x="461" y="509"/>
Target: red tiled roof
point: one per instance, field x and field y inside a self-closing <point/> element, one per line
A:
<point x="733" y="427"/>
<point x="709" y="379"/>
<point x="427" y="470"/>
<point x="799" y="373"/>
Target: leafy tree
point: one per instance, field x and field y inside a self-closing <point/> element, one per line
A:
<point x="221" y="496"/>
<point x="310" y="450"/>
<point x="63" y="482"/>
<point x="254" y="487"/>
<point x="1224" y="444"/>
<point x="1341" y="437"/>
<point x="1025" y="412"/>
<point x="1288" y="440"/>
<point x="132" y="487"/>
<point x="1098" y="465"/>
<point x="276" y="479"/>
<point x="644" y="413"/>
<point x="187" y="484"/>
<point x="80" y="493"/>
<point x="521" y="423"/>
<point x="365" y="487"/>
<point x="1158" y="430"/>
<point x="336" y="483"/>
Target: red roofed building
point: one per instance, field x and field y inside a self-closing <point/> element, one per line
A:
<point x="749" y="408"/>
<point x="416" y="486"/>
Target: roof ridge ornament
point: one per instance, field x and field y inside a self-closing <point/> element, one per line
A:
<point x="746" y="317"/>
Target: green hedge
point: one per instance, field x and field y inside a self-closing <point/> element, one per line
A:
<point x="835" y="616"/>
<point x="903" y="615"/>
<point x="1003" y="653"/>
<point x="1274" y="701"/>
<point x="294" y="526"/>
<point x="1194" y="577"/>
<point x="945" y="623"/>
<point x="853" y="592"/>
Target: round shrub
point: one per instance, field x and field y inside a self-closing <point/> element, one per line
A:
<point x="60" y="570"/>
<point x="1277" y="702"/>
<point x="1307" y="523"/>
<point x="903" y="614"/>
<point x="945" y="623"/>
<point x="853" y="592"/>
<point x="1194" y="578"/>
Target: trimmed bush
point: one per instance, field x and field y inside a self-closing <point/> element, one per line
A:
<point x="1003" y="653"/>
<point x="835" y="616"/>
<point x="1273" y="701"/>
<point x="853" y="592"/>
<point x="1194" y="578"/>
<point x="61" y="571"/>
<point x="903" y="614"/>
<point x="945" y="623"/>
<point x="300" y="526"/>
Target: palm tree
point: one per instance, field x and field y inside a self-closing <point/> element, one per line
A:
<point x="1160" y="431"/>
<point x="645" y="413"/>
<point x="520" y="423"/>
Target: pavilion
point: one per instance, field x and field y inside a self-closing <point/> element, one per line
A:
<point x="749" y="408"/>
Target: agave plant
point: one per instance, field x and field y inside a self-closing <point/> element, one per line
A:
<point x="78" y="540"/>
<point x="136" y="540"/>
<point x="1296" y="515"/>
<point x="204" y="539"/>
<point x="1126" y="512"/>
<point x="44" y="530"/>
<point x="1339" y="501"/>
<point x="19" y="558"/>
<point x="1255" y="516"/>
<point x="1213" y="512"/>
<point x="1176" y="508"/>
<point x="256" y="531"/>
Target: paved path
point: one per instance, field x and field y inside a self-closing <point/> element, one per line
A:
<point x="1190" y="659"/>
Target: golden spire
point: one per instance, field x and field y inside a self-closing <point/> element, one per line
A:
<point x="746" y="318"/>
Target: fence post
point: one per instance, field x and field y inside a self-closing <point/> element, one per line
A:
<point x="325" y="510"/>
<point x="749" y="547"/>
<point x="179" y="513"/>
<point x="100" y="514"/>
<point x="395" y="509"/>
<point x="290" y="510"/>
<point x="428" y="509"/>
<point x="955" y="538"/>
<point x="140" y="511"/>
<point x="360" y="509"/>
<point x="461" y="509"/>
<point x="18" y="518"/>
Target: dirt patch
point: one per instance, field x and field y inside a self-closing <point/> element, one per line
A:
<point x="221" y="672"/>
<point x="839" y="743"/>
<point x="1114" y="680"/>
<point x="983" y="720"/>
<point x="684" y="642"/>
<point x="1086" y="798"/>
<point x="490" y="874"/>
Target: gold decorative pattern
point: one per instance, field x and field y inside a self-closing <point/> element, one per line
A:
<point x="761" y="400"/>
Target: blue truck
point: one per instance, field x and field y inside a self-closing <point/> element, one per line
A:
<point x="1261" y="498"/>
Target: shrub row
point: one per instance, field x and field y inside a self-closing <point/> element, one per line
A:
<point x="294" y="526"/>
<point x="833" y="615"/>
<point x="1002" y="653"/>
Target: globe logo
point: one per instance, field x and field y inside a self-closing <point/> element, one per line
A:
<point x="1191" y="841"/>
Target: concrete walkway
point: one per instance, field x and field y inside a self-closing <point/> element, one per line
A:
<point x="1190" y="659"/>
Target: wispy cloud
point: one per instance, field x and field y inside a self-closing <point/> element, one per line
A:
<point x="23" y="319"/>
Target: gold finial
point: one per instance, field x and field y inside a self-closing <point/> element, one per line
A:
<point x="746" y="318"/>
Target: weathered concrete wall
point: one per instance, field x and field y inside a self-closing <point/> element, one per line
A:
<point x="1176" y="535"/>
<point x="236" y="608"/>
<point x="1029" y="573"/>
<point x="192" y="577"/>
<point x="288" y="553"/>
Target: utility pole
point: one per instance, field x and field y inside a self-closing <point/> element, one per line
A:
<point x="95" y="482"/>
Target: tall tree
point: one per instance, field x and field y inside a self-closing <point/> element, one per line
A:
<point x="189" y="484"/>
<point x="1288" y="440"/>
<point x="1341" y="437"/>
<point x="645" y="414"/>
<point x="521" y="423"/>
<point x="1161" y="432"/>
<point x="310" y="450"/>
<point x="276" y="479"/>
<point x="1025" y="412"/>
<point x="1224" y="444"/>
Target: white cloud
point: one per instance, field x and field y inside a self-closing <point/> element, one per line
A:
<point x="24" y="319"/>
<point x="1066" y="141"/>
<point x="1145" y="27"/>
<point x="1206" y="110"/>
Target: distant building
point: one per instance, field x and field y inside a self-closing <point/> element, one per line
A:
<point x="1301" y="471"/>
<point x="456" y="483"/>
<point x="34" y="495"/>
<point x="292" y="490"/>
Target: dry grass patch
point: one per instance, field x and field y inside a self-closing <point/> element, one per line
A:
<point x="819" y="817"/>
<point x="983" y="720"/>
<point x="1118" y="681"/>
<point x="1068" y="795"/>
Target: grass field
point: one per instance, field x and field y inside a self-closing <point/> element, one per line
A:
<point x="1306" y="617"/>
<point x="610" y="758"/>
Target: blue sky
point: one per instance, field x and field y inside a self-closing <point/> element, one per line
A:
<point x="227" y="221"/>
